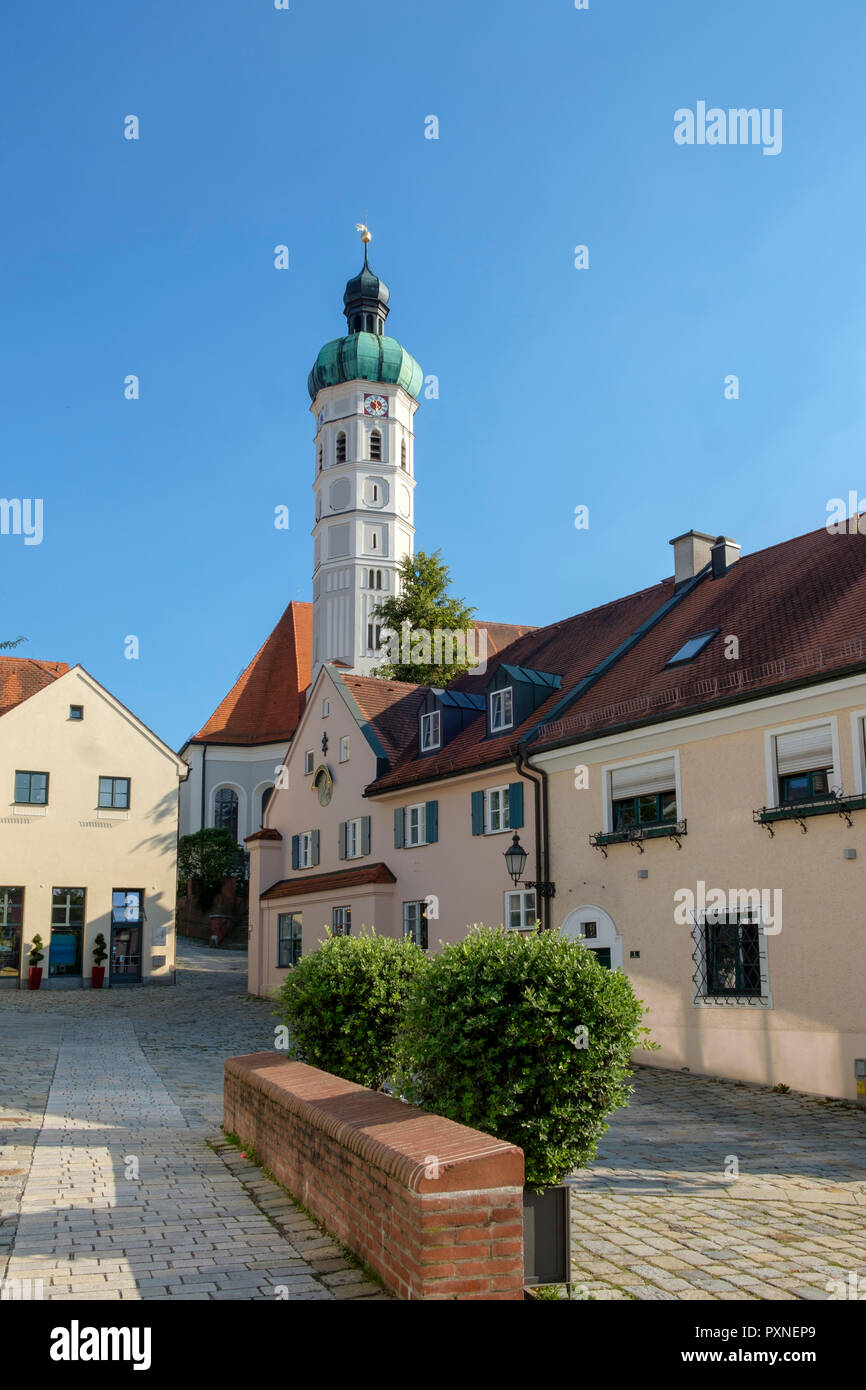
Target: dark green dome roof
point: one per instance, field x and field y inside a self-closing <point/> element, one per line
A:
<point x="365" y="357"/>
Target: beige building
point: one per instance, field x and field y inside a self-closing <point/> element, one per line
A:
<point x="88" y="839"/>
<point x="685" y="769"/>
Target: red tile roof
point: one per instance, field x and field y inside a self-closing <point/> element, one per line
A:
<point x="266" y="701"/>
<point x="23" y="676"/>
<point x="389" y="707"/>
<point x="326" y="883"/>
<point x="500" y="635"/>
<point x="797" y="609"/>
<point x="571" y="648"/>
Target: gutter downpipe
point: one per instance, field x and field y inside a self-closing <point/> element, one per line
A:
<point x="542" y="837"/>
<point x="542" y="854"/>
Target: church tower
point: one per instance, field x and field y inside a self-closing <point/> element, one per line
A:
<point x="364" y="392"/>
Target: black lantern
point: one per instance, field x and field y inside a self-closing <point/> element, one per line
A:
<point x="515" y="860"/>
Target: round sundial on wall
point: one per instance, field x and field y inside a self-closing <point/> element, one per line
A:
<point x="323" y="782"/>
<point x="375" y="405"/>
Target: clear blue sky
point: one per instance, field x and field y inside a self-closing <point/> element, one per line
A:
<point x="559" y="387"/>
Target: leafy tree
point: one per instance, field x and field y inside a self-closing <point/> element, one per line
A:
<point x="15" y="642"/>
<point x="424" y="607"/>
<point x="344" y="1003"/>
<point x="209" y="855"/>
<point x="527" y="1038"/>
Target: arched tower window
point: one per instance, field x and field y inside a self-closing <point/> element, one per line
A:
<point x="321" y="454"/>
<point x="226" y="811"/>
<point x="403" y="454"/>
<point x="341" y="447"/>
<point x="376" y="446"/>
<point x="266" y="796"/>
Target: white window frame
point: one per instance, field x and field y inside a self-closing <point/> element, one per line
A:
<point x="421" y="808"/>
<point x="343" y="927"/>
<point x="353" y="838"/>
<point x="858" y="748"/>
<point x="309" y="762"/>
<point x="497" y="701"/>
<point x="525" y="895"/>
<point x="608" y="768"/>
<point x="504" y="811"/>
<point x="835" y="777"/>
<point x="344" y="748"/>
<point x="326" y="708"/>
<point x="305" y="849"/>
<point x="420" y="904"/>
<point x="435" y="720"/>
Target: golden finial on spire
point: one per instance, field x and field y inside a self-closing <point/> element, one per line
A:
<point x="366" y="235"/>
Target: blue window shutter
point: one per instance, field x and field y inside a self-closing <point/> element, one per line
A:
<point x="477" y="813"/>
<point x="341" y="840"/>
<point x="315" y="848"/>
<point x="432" y="817"/>
<point x="296" y="856"/>
<point x="365" y="834"/>
<point x="515" y="805"/>
<point x="398" y="828"/>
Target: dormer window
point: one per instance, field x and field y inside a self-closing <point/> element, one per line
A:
<point x="431" y="726"/>
<point x="341" y="447"/>
<point x="501" y="710"/>
<point x="376" y="446"/>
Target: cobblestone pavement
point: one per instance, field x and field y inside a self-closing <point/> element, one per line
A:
<point x="659" y="1216"/>
<point x="109" y="1186"/>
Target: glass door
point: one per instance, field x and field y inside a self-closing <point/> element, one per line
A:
<point x="11" y="909"/>
<point x="127" y="920"/>
<point x="67" y="932"/>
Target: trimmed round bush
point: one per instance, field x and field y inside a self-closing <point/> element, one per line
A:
<point x="344" y="1003"/>
<point x="526" y="1038"/>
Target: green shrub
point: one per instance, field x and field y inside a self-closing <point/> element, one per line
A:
<point x="344" y="1003"/>
<point x="100" y="953"/>
<point x="494" y="1039"/>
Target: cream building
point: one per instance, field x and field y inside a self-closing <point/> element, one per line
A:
<point x="88" y="837"/>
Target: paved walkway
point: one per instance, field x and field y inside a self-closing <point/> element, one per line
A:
<point x="659" y="1216"/>
<point x="109" y="1187"/>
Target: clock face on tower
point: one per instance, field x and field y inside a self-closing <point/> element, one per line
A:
<point x="375" y="405"/>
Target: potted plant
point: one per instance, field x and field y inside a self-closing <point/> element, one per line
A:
<point x="100" y="953"/>
<point x="526" y="1038"/>
<point x="34" y="977"/>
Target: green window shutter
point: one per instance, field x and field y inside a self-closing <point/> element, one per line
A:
<point x="515" y="805"/>
<point x="398" y="828"/>
<point x="432" y="818"/>
<point x="365" y="834"/>
<point x="296" y="856"/>
<point x="341" y="840"/>
<point x="477" y="813"/>
<point x="315" y="848"/>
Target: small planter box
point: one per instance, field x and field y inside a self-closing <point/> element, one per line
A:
<point x="547" y="1237"/>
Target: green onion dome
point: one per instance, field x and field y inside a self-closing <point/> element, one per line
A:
<point x="365" y="357"/>
<point x="365" y="354"/>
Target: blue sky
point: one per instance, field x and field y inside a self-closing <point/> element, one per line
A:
<point x="558" y="387"/>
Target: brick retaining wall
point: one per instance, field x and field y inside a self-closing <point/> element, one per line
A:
<point x="434" y="1208"/>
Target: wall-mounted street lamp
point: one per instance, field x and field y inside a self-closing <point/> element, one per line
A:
<point x="515" y="862"/>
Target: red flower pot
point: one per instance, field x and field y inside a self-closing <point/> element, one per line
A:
<point x="34" y="978"/>
<point x="97" y="976"/>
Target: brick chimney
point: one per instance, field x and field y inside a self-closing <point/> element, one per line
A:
<point x="692" y="553"/>
<point x="724" y="553"/>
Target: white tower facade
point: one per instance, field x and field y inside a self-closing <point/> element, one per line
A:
<point x="364" y="391"/>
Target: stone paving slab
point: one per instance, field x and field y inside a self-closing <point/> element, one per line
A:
<point x="659" y="1215"/>
<point x="112" y="1179"/>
